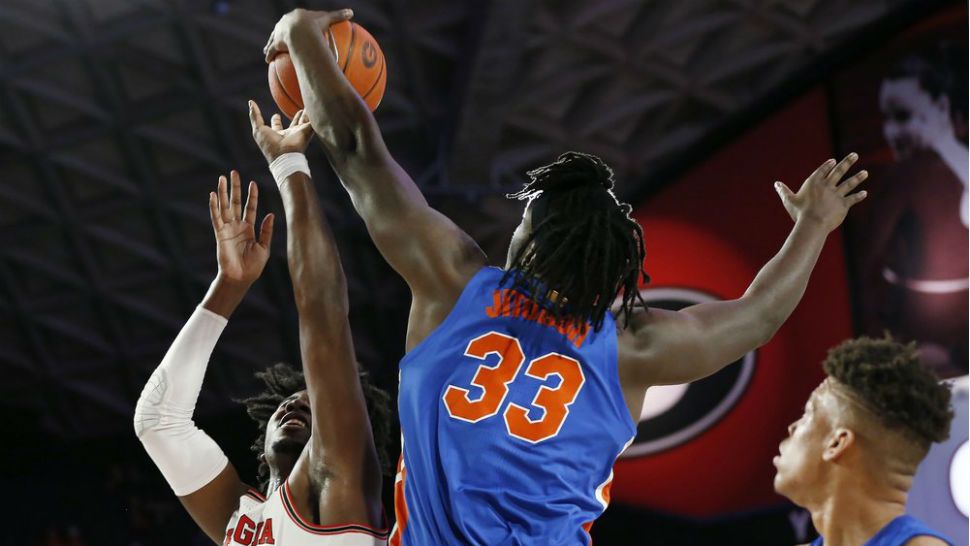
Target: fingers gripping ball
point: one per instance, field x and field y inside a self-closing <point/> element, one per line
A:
<point x="357" y="54"/>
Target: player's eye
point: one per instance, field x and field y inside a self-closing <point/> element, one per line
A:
<point x="901" y="116"/>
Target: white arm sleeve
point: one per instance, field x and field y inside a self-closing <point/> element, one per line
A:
<point x="187" y="457"/>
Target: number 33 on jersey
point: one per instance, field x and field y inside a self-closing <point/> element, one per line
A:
<point x="494" y="382"/>
<point x="511" y="424"/>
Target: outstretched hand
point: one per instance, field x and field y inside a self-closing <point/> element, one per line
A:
<point x="824" y="197"/>
<point x="241" y="255"/>
<point x="273" y="140"/>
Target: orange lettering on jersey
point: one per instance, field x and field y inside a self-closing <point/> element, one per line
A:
<point x="266" y="537"/>
<point x="244" y="530"/>
<point x="511" y="303"/>
<point x="577" y="333"/>
<point x="499" y="307"/>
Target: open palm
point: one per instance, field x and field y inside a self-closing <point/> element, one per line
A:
<point x="241" y="255"/>
<point x="273" y="140"/>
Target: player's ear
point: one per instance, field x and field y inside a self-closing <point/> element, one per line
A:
<point x="837" y="444"/>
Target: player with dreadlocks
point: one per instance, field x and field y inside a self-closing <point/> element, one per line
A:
<point x="581" y="241"/>
<point x="518" y="387"/>
<point x="320" y="470"/>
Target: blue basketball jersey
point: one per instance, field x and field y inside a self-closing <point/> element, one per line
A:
<point x="898" y="532"/>
<point x="511" y="423"/>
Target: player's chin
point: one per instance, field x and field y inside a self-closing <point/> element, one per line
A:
<point x="782" y="483"/>
<point x="290" y="439"/>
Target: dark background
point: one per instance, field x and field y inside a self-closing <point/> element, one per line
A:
<point x="117" y="116"/>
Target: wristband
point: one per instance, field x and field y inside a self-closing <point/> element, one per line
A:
<point x="285" y="165"/>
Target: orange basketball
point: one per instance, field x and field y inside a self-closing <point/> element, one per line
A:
<point x="359" y="57"/>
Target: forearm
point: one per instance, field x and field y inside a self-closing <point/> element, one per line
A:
<point x="675" y="347"/>
<point x="346" y="127"/>
<point x="319" y="285"/>
<point x="699" y="340"/>
<point x="326" y="345"/>
<point x="778" y="287"/>
<point x="338" y="114"/>
<point x="187" y="458"/>
<point x="188" y="356"/>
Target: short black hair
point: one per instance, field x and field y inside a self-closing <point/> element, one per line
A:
<point x="282" y="380"/>
<point x="941" y="70"/>
<point x="894" y="384"/>
<point x="584" y="245"/>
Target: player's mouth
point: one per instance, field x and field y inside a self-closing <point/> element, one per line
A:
<point x="294" y="420"/>
<point x="777" y="457"/>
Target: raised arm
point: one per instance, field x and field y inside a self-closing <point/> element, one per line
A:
<point x="194" y="466"/>
<point x="666" y="347"/>
<point x="344" y="472"/>
<point x="434" y="256"/>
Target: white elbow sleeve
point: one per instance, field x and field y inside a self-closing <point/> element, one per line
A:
<point x="187" y="457"/>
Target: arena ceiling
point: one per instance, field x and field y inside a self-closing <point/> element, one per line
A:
<point x="116" y="117"/>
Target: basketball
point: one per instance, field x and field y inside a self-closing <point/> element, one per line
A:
<point x="357" y="54"/>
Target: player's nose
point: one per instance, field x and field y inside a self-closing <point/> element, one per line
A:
<point x="297" y="404"/>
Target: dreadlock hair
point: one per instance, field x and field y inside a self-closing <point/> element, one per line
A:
<point x="584" y="245"/>
<point x="903" y="394"/>
<point x="282" y="380"/>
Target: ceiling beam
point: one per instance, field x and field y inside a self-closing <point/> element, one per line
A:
<point x="486" y="81"/>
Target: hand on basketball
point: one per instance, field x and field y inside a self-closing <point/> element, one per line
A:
<point x="240" y="254"/>
<point x="824" y="197"/>
<point x="321" y="20"/>
<point x="273" y="140"/>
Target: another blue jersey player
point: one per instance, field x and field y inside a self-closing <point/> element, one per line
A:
<point x="850" y="459"/>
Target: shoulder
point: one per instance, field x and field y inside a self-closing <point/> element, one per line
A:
<point x="640" y="318"/>
<point x="464" y="257"/>
<point x="645" y="326"/>
<point x="926" y="540"/>
<point x="634" y="344"/>
<point x="921" y="535"/>
<point x="450" y="277"/>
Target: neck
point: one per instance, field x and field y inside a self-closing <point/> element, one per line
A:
<point x="279" y="472"/>
<point x="953" y="153"/>
<point x="856" y="508"/>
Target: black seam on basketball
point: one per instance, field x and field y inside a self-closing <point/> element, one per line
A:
<point x="378" y="80"/>
<point x="276" y="70"/>
<point x="350" y="48"/>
